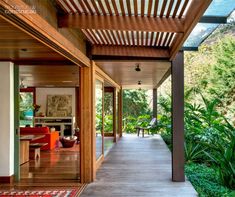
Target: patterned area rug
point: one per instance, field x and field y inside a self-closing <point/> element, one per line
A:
<point x="72" y="192"/>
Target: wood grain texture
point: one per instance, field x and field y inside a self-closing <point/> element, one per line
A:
<point x="124" y="23"/>
<point x="138" y="167"/>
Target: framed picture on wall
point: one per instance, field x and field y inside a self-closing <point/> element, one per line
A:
<point x="59" y="105"/>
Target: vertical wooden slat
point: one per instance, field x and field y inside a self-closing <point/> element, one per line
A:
<point x="155" y="8"/>
<point x="93" y="2"/>
<point x="110" y="37"/>
<point x="88" y="36"/>
<point x="115" y="7"/>
<point x="100" y="34"/>
<point x="66" y="10"/>
<point x="115" y="115"/>
<point x="183" y="8"/>
<point x="150" y="7"/>
<point x="176" y="8"/>
<point x="75" y="6"/>
<point x="169" y="9"/>
<point x="178" y="118"/>
<point x="122" y="7"/>
<point x="83" y="6"/>
<point x="156" y="39"/>
<point x="69" y="6"/>
<point x="151" y="38"/>
<point x="114" y="37"/>
<point x="91" y="33"/>
<point x="123" y="37"/>
<point x="87" y="128"/>
<point x="142" y="7"/>
<point x="128" y="7"/>
<point x="108" y="6"/>
<point x="133" y="38"/>
<point x="99" y="38"/>
<point x="138" y="39"/>
<point x="102" y="7"/>
<point x="142" y="38"/>
<point x="163" y="8"/>
<point x="170" y="39"/>
<point x="89" y="7"/>
<point x="128" y="38"/>
<point x="119" y="37"/>
<point x="105" y="37"/>
<point x="147" y="39"/>
<point x="161" y="39"/>
<point x="136" y="7"/>
<point x="165" y="39"/>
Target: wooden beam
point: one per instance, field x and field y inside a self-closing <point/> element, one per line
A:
<point x="122" y="23"/>
<point x="37" y="27"/>
<point x="197" y="8"/>
<point x="129" y="51"/>
<point x="178" y="118"/>
<point x="87" y="122"/>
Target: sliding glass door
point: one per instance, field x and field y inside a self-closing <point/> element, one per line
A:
<point x="99" y="109"/>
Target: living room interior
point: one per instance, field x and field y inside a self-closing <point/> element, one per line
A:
<point x="48" y="107"/>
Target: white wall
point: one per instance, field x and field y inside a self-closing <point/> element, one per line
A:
<point x="41" y="97"/>
<point x="6" y="119"/>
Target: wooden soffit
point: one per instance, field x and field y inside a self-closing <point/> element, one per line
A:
<point x="25" y="18"/>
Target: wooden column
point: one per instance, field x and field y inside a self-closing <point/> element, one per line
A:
<point x="120" y="111"/>
<point x="178" y="118"/>
<point x="86" y="119"/>
<point x="154" y="103"/>
<point x="115" y="115"/>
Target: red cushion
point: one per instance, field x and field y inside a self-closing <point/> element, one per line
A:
<point x="34" y="130"/>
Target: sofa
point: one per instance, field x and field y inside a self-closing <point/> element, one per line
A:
<point x="51" y="138"/>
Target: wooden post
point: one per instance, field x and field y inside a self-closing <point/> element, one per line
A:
<point x="86" y="119"/>
<point x="115" y="115"/>
<point x="178" y="118"/>
<point x="154" y="103"/>
<point x="120" y="111"/>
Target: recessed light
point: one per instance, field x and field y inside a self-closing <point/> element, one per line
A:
<point x="139" y="82"/>
<point x="67" y="81"/>
<point x="24" y="49"/>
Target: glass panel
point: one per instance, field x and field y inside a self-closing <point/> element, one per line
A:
<point x="220" y="8"/>
<point x="199" y="33"/>
<point x="99" y="118"/>
<point x="26" y="109"/>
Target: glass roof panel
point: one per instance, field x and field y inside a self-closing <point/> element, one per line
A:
<point x="199" y="33"/>
<point x="220" y="8"/>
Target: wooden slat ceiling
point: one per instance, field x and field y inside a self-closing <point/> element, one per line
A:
<point x="150" y="8"/>
<point x="158" y="24"/>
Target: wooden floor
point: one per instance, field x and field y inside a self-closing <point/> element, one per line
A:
<point x="58" y="166"/>
<point x="137" y="167"/>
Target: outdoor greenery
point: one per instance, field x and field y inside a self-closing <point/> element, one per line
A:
<point x="209" y="114"/>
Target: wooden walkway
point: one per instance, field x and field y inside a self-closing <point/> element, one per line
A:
<point x="138" y="167"/>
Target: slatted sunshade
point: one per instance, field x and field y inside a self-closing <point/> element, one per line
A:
<point x="146" y="8"/>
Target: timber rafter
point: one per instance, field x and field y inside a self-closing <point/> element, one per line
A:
<point x="125" y="24"/>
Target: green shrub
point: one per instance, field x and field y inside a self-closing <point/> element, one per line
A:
<point x="206" y="181"/>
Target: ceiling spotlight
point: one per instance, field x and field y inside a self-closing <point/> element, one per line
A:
<point x="139" y="82"/>
<point x="137" y="68"/>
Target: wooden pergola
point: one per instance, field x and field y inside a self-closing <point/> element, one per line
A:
<point x="133" y="28"/>
<point x="115" y="35"/>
